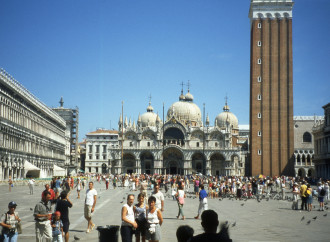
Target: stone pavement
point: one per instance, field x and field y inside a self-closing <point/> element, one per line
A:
<point x="265" y="221"/>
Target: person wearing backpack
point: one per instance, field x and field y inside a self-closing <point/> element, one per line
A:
<point x="321" y="195"/>
<point x="10" y="223"/>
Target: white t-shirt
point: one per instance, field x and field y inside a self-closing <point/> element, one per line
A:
<point x="90" y="196"/>
<point x="159" y="197"/>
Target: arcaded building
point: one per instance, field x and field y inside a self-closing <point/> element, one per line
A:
<point x="271" y="92"/>
<point x="181" y="144"/>
<point x="321" y="131"/>
<point x="32" y="136"/>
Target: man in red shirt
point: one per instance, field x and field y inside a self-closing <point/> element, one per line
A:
<point x="52" y="193"/>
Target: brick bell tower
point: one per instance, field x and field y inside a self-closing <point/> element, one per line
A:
<point x="271" y="92"/>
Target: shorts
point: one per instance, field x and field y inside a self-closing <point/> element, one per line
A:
<point x="320" y="199"/>
<point x="66" y="226"/>
<point x="88" y="211"/>
<point x="155" y="235"/>
<point x="196" y="188"/>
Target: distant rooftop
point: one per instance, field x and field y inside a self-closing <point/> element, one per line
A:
<point x="243" y="126"/>
<point x="308" y="118"/>
<point x="103" y="131"/>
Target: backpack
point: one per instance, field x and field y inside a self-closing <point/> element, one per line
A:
<point x="322" y="192"/>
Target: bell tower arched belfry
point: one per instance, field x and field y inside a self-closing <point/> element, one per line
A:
<point x="271" y="91"/>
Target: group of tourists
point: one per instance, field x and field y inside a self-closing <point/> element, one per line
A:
<point x="142" y="216"/>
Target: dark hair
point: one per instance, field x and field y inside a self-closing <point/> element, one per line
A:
<point x="151" y="199"/>
<point x="141" y="195"/>
<point x="130" y="195"/>
<point x="184" y="233"/>
<point x="201" y="186"/>
<point x="45" y="193"/>
<point x="64" y="194"/>
<point x="91" y="182"/>
<point x="209" y="219"/>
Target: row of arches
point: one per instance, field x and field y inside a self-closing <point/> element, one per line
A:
<point x="175" y="162"/>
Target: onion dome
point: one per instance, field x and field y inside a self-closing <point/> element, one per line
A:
<point x="226" y="118"/>
<point x="149" y="118"/>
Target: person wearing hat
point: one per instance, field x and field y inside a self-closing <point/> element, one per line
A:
<point x="9" y="222"/>
<point x="42" y="215"/>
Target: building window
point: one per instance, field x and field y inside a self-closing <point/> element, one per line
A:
<point x="259" y="133"/>
<point x="90" y="148"/>
<point x="90" y="157"/>
<point x="197" y="144"/>
<point x="259" y="61"/>
<point x="216" y="144"/>
<point x="130" y="144"/>
<point x="259" y="152"/>
<point x="104" y="157"/>
<point x="259" y="25"/>
<point x="104" y="149"/>
<point x="307" y="137"/>
<point x="259" y="78"/>
<point x="259" y="97"/>
<point x="148" y="144"/>
<point x="90" y="169"/>
<point x="97" y="157"/>
<point x="259" y="115"/>
<point x="259" y="43"/>
<point x="97" y="149"/>
<point x="96" y="169"/>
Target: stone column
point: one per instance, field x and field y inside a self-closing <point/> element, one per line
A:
<point x="208" y="167"/>
<point x="295" y="159"/>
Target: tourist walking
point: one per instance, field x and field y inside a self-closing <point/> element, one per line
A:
<point x="202" y="201"/>
<point x="155" y="220"/>
<point x="295" y="193"/>
<point x="309" y="197"/>
<point x="9" y="222"/>
<point x="10" y="183"/>
<point x="63" y="204"/>
<point x="42" y="214"/>
<point x="128" y="219"/>
<point x="180" y="196"/>
<point x="90" y="202"/>
<point x="78" y="185"/>
<point x="159" y="197"/>
<point x="31" y="185"/>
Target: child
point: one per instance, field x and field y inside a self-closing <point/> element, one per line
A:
<point x="57" y="227"/>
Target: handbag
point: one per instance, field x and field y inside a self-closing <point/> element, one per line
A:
<point x="19" y="228"/>
<point x="181" y="200"/>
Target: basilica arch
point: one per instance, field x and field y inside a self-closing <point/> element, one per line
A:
<point x="147" y="162"/>
<point x="218" y="165"/>
<point x="128" y="163"/>
<point x="198" y="163"/>
<point x="174" y="134"/>
<point x="173" y="161"/>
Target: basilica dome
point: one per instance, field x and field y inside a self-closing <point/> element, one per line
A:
<point x="226" y="117"/>
<point x="185" y="111"/>
<point x="149" y="118"/>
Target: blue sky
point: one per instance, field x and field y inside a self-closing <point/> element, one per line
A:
<point x="98" y="53"/>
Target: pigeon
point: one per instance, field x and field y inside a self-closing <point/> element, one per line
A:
<point x="302" y="218"/>
<point x="315" y="218"/>
<point x="234" y="224"/>
<point x="258" y="201"/>
<point x="242" y="204"/>
<point x="31" y="209"/>
<point x="121" y="201"/>
<point x="76" y="238"/>
<point x="99" y="197"/>
<point x="220" y="199"/>
<point x="308" y="222"/>
<point x="325" y="215"/>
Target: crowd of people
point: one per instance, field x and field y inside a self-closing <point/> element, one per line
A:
<point x="143" y="217"/>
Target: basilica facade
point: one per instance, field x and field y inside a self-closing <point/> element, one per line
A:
<point x="181" y="144"/>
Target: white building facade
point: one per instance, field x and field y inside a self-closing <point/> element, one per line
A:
<point x="32" y="136"/>
<point x="98" y="145"/>
<point x="181" y="144"/>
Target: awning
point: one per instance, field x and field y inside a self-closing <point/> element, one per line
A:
<point x="58" y="171"/>
<point x="31" y="170"/>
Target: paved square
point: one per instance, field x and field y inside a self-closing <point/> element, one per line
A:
<point x="265" y="221"/>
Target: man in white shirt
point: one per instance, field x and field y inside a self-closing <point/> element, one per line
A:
<point x="31" y="185"/>
<point x="159" y="198"/>
<point x="90" y="203"/>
